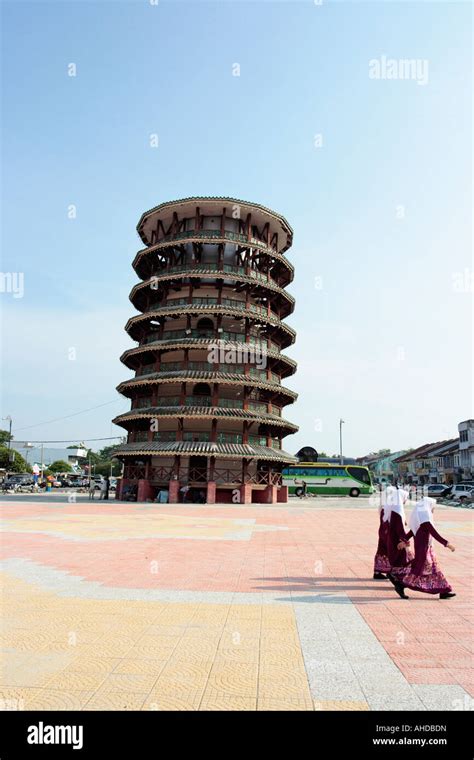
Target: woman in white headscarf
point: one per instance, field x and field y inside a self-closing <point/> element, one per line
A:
<point x="425" y="574"/>
<point x="399" y="554"/>
<point x="381" y="561"/>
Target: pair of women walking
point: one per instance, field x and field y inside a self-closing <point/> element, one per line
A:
<point x="394" y="558"/>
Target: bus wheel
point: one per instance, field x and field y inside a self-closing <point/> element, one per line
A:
<point x="298" y="492"/>
<point x="354" y="492"/>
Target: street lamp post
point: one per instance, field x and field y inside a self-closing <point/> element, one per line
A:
<point x="341" y="423"/>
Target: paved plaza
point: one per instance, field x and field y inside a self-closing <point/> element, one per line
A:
<point x="122" y="606"/>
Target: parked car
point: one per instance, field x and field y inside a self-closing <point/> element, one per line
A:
<point x="18" y="479"/>
<point x="461" y="492"/>
<point x="436" y="489"/>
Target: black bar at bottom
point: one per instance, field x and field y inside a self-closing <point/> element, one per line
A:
<point x="136" y="734"/>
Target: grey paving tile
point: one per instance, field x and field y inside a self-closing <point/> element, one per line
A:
<point x="444" y="697"/>
<point x="384" y="703"/>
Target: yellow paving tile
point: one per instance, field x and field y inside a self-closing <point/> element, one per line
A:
<point x="176" y="631"/>
<point x="172" y="688"/>
<point x="281" y="658"/>
<point x="229" y="656"/>
<point x="169" y="702"/>
<point x="116" y="701"/>
<point x="17" y="698"/>
<point x="140" y="667"/>
<point x="340" y="705"/>
<point x="93" y="665"/>
<point x="73" y="681"/>
<point x="129" y="682"/>
<point x="285" y="704"/>
<point x="148" y="651"/>
<point x="282" y="691"/>
<point x="240" y="686"/>
<point x="228" y="703"/>
<point x="199" y="657"/>
<point x="187" y="670"/>
<point x="60" y="700"/>
<point x="239" y="639"/>
<point x="286" y="673"/>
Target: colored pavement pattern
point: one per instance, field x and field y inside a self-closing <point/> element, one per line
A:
<point x="112" y="606"/>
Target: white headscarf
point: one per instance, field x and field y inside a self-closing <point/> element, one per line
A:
<point x="422" y="512"/>
<point x="393" y="500"/>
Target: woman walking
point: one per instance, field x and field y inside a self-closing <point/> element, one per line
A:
<point x="425" y="574"/>
<point x="381" y="561"/>
<point x="399" y="555"/>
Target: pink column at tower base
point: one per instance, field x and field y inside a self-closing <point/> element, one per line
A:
<point x="145" y="490"/>
<point x="173" y="494"/>
<point x="211" y="492"/>
<point x="246" y="493"/>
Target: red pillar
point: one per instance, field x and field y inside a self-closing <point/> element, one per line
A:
<point x="145" y="490"/>
<point x="173" y="497"/>
<point x="270" y="495"/>
<point x="246" y="493"/>
<point x="211" y="492"/>
<point x="120" y="487"/>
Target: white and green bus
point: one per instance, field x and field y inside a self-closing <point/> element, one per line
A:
<point x="331" y="479"/>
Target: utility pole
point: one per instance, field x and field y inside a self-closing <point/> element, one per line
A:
<point x="8" y="417"/>
<point x="10" y="431"/>
<point x="341" y="423"/>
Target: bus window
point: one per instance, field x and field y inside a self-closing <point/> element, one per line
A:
<point x="359" y="473"/>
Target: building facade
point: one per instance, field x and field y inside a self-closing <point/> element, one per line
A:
<point x="466" y="448"/>
<point x="385" y="468"/>
<point x="207" y="399"/>
<point x="431" y="463"/>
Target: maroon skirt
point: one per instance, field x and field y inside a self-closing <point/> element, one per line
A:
<point x="431" y="580"/>
<point x="381" y="563"/>
<point x="400" y="571"/>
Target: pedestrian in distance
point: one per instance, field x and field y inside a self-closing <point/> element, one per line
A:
<point x="91" y="489"/>
<point x="184" y="492"/>
<point x="104" y="494"/>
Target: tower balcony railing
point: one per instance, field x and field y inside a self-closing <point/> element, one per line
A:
<point x="165" y="435"/>
<point x="236" y="237"/>
<point x="142" y="402"/>
<point x="204" y="436"/>
<point x="257" y="440"/>
<point x="192" y="269"/>
<point x="233" y="303"/>
<point x="209" y="367"/>
<point x="226" y="335"/>
<point x="227" y="403"/>
<point x="198" y="401"/>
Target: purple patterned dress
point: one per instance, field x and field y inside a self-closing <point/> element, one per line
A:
<point x="381" y="561"/>
<point x="400" y="559"/>
<point x="424" y="574"/>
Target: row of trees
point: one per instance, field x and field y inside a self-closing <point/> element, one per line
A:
<point x="101" y="461"/>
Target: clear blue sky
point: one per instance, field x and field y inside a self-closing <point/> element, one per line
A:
<point x="386" y="342"/>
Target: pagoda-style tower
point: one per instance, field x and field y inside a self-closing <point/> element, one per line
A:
<point x="207" y="399"/>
